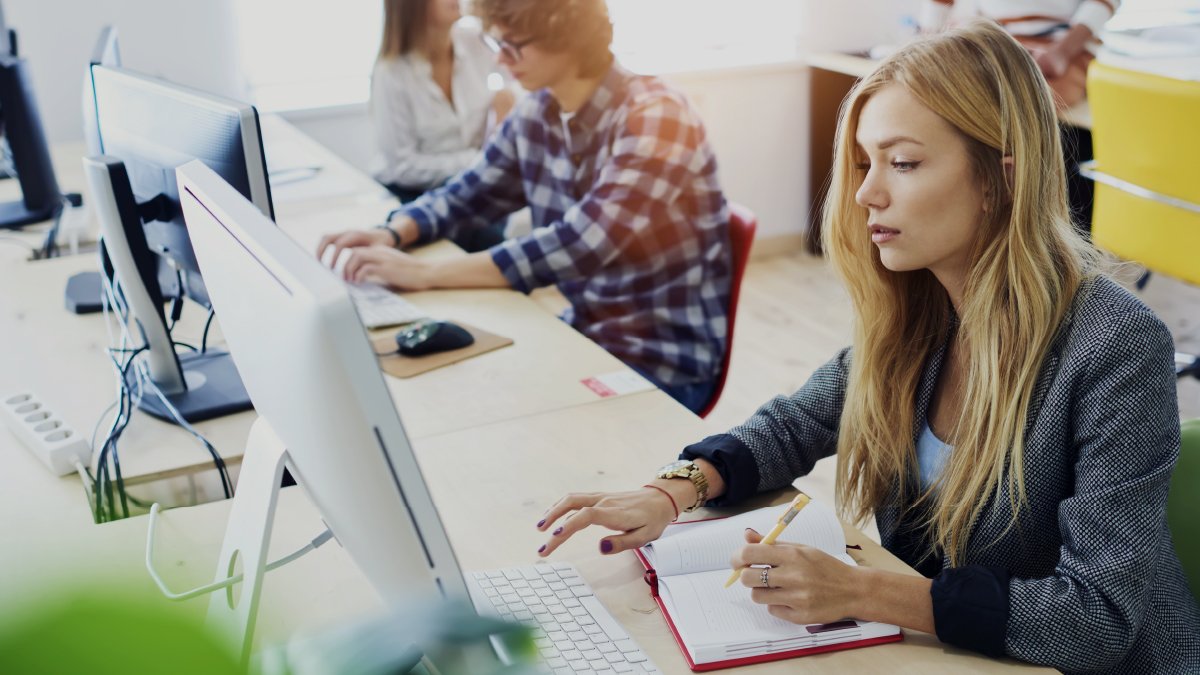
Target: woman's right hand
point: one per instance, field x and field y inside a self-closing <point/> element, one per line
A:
<point x="640" y="516"/>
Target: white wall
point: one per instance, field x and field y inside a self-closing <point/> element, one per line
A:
<point x="191" y="42"/>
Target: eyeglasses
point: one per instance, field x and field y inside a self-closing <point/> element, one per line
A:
<point x="506" y="47"/>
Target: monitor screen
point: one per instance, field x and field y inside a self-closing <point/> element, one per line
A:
<point x="153" y="127"/>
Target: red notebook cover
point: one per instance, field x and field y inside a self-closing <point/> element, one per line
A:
<point x="651" y="578"/>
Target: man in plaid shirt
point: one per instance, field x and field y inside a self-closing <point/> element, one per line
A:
<point x="629" y="220"/>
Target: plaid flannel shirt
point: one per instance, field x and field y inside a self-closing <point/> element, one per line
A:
<point x="628" y="221"/>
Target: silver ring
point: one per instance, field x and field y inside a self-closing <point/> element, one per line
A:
<point x="766" y="582"/>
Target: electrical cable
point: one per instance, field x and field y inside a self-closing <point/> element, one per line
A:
<point x="313" y="545"/>
<point x="207" y="324"/>
<point x="222" y="471"/>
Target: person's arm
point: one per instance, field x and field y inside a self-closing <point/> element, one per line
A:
<point x="393" y="117"/>
<point x="655" y="154"/>
<point x="786" y="435"/>
<point x="1086" y="24"/>
<point x="392" y="267"/>
<point x="1112" y="527"/>
<point x="483" y="194"/>
<point x="783" y="439"/>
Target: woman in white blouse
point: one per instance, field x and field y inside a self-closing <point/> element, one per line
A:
<point x="430" y="101"/>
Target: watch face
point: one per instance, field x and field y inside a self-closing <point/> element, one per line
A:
<point x="677" y="465"/>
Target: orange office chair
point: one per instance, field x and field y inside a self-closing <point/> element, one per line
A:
<point x="742" y="224"/>
<point x="1147" y="205"/>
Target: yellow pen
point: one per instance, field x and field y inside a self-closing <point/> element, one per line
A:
<point x="798" y="503"/>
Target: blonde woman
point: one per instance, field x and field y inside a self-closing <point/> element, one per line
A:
<point x="1006" y="412"/>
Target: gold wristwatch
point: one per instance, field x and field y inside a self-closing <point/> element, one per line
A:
<point x="684" y="468"/>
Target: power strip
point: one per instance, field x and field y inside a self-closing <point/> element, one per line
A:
<point x="45" y="434"/>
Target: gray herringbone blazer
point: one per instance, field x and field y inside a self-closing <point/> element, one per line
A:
<point x="1095" y="583"/>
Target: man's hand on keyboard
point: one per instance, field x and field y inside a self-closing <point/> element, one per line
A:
<point x="350" y="239"/>
<point x="385" y="265"/>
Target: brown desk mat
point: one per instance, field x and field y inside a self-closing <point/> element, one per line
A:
<point x="394" y="363"/>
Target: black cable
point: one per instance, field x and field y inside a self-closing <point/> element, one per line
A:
<point x="218" y="462"/>
<point x="207" y="325"/>
<point x="187" y="345"/>
<point x="104" y="484"/>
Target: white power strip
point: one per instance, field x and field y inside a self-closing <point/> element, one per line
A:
<point x="45" y="434"/>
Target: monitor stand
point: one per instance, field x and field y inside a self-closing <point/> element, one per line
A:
<point x="16" y="214"/>
<point x="214" y="389"/>
<point x="234" y="610"/>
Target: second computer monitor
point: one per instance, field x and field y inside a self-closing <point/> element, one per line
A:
<point x="154" y="126"/>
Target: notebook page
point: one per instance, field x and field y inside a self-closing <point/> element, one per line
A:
<point x="716" y="623"/>
<point x="709" y="545"/>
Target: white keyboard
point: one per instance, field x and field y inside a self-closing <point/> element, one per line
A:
<point x="572" y="630"/>
<point x="379" y="307"/>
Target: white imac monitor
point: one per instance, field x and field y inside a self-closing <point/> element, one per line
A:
<point x="308" y="366"/>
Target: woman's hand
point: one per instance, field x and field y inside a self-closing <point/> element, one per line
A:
<point x="639" y="515"/>
<point x="388" y="266"/>
<point x="1052" y="61"/>
<point x="502" y="104"/>
<point x="805" y="585"/>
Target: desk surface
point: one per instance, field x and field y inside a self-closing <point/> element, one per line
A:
<point x="520" y="430"/>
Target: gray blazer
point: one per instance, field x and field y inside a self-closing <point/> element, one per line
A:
<point x="1093" y="582"/>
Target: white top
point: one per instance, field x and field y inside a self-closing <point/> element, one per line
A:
<point x="1027" y="17"/>
<point x="422" y="138"/>
<point x="931" y="456"/>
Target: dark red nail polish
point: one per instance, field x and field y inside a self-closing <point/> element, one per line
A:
<point x="606" y="546"/>
<point x="558" y="531"/>
<point x="543" y="548"/>
<point x="541" y="522"/>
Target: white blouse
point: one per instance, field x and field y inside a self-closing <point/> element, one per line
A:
<point x="1027" y="17"/>
<point x="421" y="138"/>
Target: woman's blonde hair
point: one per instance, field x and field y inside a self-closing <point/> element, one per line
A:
<point x="1025" y="267"/>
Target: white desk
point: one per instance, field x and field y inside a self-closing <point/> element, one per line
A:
<point x="507" y="450"/>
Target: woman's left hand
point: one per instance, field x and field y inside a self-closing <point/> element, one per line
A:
<point x="805" y="585"/>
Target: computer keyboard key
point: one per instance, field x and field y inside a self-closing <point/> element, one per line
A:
<point x="622" y="667"/>
<point x="608" y="648"/>
<point x="625" y="646"/>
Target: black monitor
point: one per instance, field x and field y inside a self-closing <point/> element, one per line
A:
<point x="146" y="128"/>
<point x="21" y="127"/>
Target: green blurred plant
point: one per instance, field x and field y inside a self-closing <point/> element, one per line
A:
<point x="107" y="633"/>
<point x="441" y="639"/>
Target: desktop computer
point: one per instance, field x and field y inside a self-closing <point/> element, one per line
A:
<point x="145" y="128"/>
<point x="337" y="430"/>
<point x="21" y="126"/>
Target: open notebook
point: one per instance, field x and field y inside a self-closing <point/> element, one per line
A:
<point x="719" y="627"/>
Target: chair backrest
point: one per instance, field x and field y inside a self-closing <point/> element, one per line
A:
<point x="742" y="224"/>
<point x="1183" y="505"/>
<point x="1145" y="141"/>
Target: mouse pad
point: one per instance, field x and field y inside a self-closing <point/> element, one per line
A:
<point x="393" y="363"/>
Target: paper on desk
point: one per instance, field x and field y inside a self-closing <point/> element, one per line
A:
<point x="617" y="384"/>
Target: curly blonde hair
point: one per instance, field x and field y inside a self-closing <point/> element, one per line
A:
<point x="581" y="27"/>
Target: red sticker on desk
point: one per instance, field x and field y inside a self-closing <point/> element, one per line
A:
<point x="602" y="390"/>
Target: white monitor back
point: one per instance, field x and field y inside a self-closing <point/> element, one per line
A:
<point x="309" y="368"/>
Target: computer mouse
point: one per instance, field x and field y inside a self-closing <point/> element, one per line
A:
<point x="430" y="337"/>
